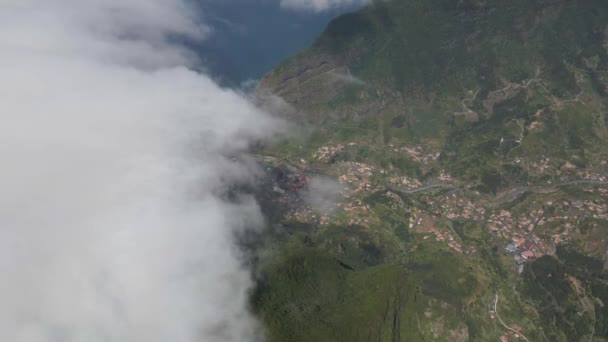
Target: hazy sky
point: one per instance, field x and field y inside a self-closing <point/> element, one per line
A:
<point x="113" y="158"/>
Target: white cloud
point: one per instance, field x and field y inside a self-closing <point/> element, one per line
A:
<point x="322" y="193"/>
<point x="319" y="5"/>
<point x="112" y="154"/>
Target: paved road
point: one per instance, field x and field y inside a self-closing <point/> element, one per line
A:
<point x="503" y="323"/>
<point x="430" y="186"/>
<point x="504" y="198"/>
<point x="274" y="160"/>
<point x="516" y="193"/>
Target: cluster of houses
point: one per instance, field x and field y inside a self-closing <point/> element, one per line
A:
<point x="356" y="177"/>
<point x="404" y="182"/>
<point x="358" y="212"/>
<point x="524" y="244"/>
<point x="506" y="337"/>
<point x="585" y="174"/>
<point x="418" y="153"/>
<point x="423" y="223"/>
<point x="568" y="212"/>
<point x="453" y="206"/>
<point x="566" y="170"/>
<point x="326" y="153"/>
<point x="542" y="165"/>
<point x="503" y="224"/>
<point x="525" y="249"/>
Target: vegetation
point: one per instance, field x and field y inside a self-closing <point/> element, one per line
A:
<point x="503" y="95"/>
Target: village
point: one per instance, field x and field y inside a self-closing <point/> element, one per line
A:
<point x="523" y="233"/>
<point x="522" y="236"/>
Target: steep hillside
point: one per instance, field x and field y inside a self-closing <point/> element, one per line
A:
<point x="469" y="139"/>
<point x="461" y="76"/>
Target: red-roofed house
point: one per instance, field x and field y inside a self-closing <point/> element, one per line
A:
<point x="527" y="254"/>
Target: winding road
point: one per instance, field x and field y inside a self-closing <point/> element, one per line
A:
<point x="503" y="323"/>
<point x="515" y="193"/>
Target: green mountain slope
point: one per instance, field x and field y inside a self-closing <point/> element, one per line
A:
<point x="312" y="297"/>
<point x="436" y="71"/>
<point x="470" y="144"/>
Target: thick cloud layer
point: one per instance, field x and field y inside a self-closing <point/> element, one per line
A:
<point x="319" y="5"/>
<point x="113" y="156"/>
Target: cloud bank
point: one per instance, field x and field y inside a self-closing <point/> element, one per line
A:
<point x="112" y="225"/>
<point x="319" y="5"/>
